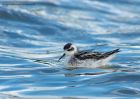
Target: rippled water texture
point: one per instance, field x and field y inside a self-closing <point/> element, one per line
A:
<point x="32" y="35"/>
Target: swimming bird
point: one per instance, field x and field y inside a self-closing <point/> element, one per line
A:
<point x="86" y="58"/>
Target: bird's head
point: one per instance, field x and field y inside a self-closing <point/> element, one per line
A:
<point x="69" y="50"/>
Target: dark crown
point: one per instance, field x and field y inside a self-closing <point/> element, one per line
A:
<point x="67" y="46"/>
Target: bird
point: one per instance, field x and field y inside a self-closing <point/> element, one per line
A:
<point x="85" y="58"/>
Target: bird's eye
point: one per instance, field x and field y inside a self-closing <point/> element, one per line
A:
<point x="71" y="49"/>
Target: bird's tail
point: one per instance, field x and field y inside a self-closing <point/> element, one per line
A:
<point x="111" y="52"/>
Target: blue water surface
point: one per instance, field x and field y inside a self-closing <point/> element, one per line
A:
<point x="32" y="36"/>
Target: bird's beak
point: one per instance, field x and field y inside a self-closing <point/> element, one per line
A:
<point x="61" y="57"/>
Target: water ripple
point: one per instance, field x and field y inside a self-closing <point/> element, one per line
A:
<point x="32" y="36"/>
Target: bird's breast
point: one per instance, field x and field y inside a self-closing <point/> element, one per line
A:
<point x="72" y="61"/>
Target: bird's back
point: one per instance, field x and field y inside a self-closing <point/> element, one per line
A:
<point x="83" y="55"/>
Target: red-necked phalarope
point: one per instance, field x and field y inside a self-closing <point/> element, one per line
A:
<point x="86" y="58"/>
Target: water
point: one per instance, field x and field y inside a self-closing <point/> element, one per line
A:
<point x="32" y="35"/>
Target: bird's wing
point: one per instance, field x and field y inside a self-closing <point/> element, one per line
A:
<point x="88" y="55"/>
<point x="94" y="55"/>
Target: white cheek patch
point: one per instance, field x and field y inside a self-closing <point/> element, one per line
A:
<point x="69" y="53"/>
